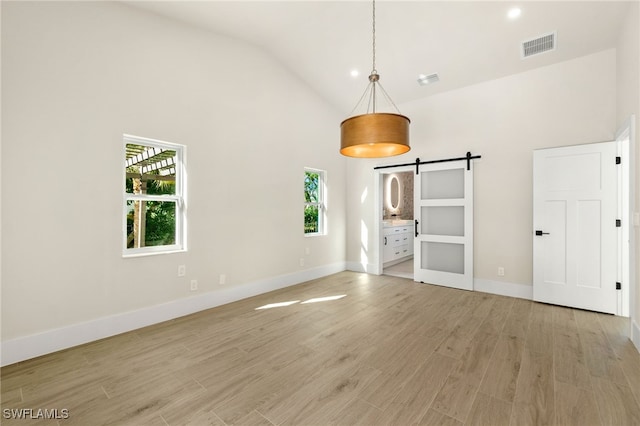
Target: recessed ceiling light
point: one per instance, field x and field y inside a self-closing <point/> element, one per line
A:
<point x="514" y="13"/>
<point x="355" y="73"/>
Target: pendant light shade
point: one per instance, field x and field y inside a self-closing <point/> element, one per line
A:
<point x="374" y="134"/>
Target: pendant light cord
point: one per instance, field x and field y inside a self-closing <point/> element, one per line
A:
<point x="374" y="78"/>
<point x="373" y="70"/>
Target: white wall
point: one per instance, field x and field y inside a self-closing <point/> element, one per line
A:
<point x="78" y="75"/>
<point x="503" y="120"/>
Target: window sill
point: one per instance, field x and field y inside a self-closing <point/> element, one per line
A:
<point x="152" y="253"/>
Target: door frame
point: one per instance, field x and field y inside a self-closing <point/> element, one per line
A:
<point x="624" y="247"/>
<point x="627" y="131"/>
<point x="378" y="189"/>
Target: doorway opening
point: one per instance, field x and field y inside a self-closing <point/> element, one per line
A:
<point x="424" y="217"/>
<point x="395" y="213"/>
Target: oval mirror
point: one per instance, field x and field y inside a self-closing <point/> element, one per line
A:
<point x="395" y="190"/>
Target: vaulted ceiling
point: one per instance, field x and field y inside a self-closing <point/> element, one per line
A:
<point x="464" y="42"/>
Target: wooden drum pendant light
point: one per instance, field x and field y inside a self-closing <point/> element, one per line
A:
<point x="374" y="134"/>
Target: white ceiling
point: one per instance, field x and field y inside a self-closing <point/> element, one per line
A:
<point x="464" y="42"/>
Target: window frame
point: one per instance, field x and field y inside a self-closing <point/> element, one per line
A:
<point x="179" y="198"/>
<point x="321" y="204"/>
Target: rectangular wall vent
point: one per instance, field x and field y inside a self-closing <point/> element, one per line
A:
<point x="544" y="43"/>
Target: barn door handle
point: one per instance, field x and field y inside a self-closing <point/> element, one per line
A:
<point x="417" y="228"/>
<point x="539" y="233"/>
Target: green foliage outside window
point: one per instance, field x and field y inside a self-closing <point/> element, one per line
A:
<point x="310" y="219"/>
<point x="311" y="198"/>
<point x="160" y="216"/>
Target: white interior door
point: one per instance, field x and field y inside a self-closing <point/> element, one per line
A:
<point x="575" y="233"/>
<point x="443" y="213"/>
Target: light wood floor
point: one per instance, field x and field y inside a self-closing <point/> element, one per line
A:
<point x="402" y="270"/>
<point x="390" y="352"/>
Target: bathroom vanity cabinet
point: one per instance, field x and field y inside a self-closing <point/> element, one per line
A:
<point x="397" y="243"/>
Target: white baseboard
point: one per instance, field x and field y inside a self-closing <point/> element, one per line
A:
<point x="635" y="335"/>
<point x="520" y="291"/>
<point x="397" y="261"/>
<point x="23" y="348"/>
<point x="361" y="267"/>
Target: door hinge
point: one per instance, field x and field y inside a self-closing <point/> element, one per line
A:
<point x="618" y="286"/>
<point x="618" y="223"/>
<point x="618" y="160"/>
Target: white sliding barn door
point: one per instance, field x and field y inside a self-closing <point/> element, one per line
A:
<point x="575" y="241"/>
<point x="443" y="212"/>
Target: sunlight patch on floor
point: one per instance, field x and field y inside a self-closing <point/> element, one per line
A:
<point x="277" y="305"/>
<point x="324" y="299"/>
<point x="293" y="302"/>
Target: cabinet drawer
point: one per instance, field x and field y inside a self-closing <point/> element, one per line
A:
<point x="394" y="230"/>
<point x="391" y="231"/>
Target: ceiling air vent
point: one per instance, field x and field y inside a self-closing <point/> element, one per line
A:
<point x="423" y="79"/>
<point x="544" y="43"/>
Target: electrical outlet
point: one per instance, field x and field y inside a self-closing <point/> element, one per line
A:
<point x="307" y="251"/>
<point x="194" y="285"/>
<point x="302" y="261"/>
<point x="500" y="271"/>
<point x="182" y="270"/>
<point x="223" y="279"/>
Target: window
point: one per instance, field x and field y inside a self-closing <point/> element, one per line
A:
<point x="154" y="205"/>
<point x="314" y="202"/>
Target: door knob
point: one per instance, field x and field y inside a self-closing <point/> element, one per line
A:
<point x="539" y="233"/>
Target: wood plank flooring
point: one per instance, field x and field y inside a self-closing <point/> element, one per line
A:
<point x="390" y="352"/>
